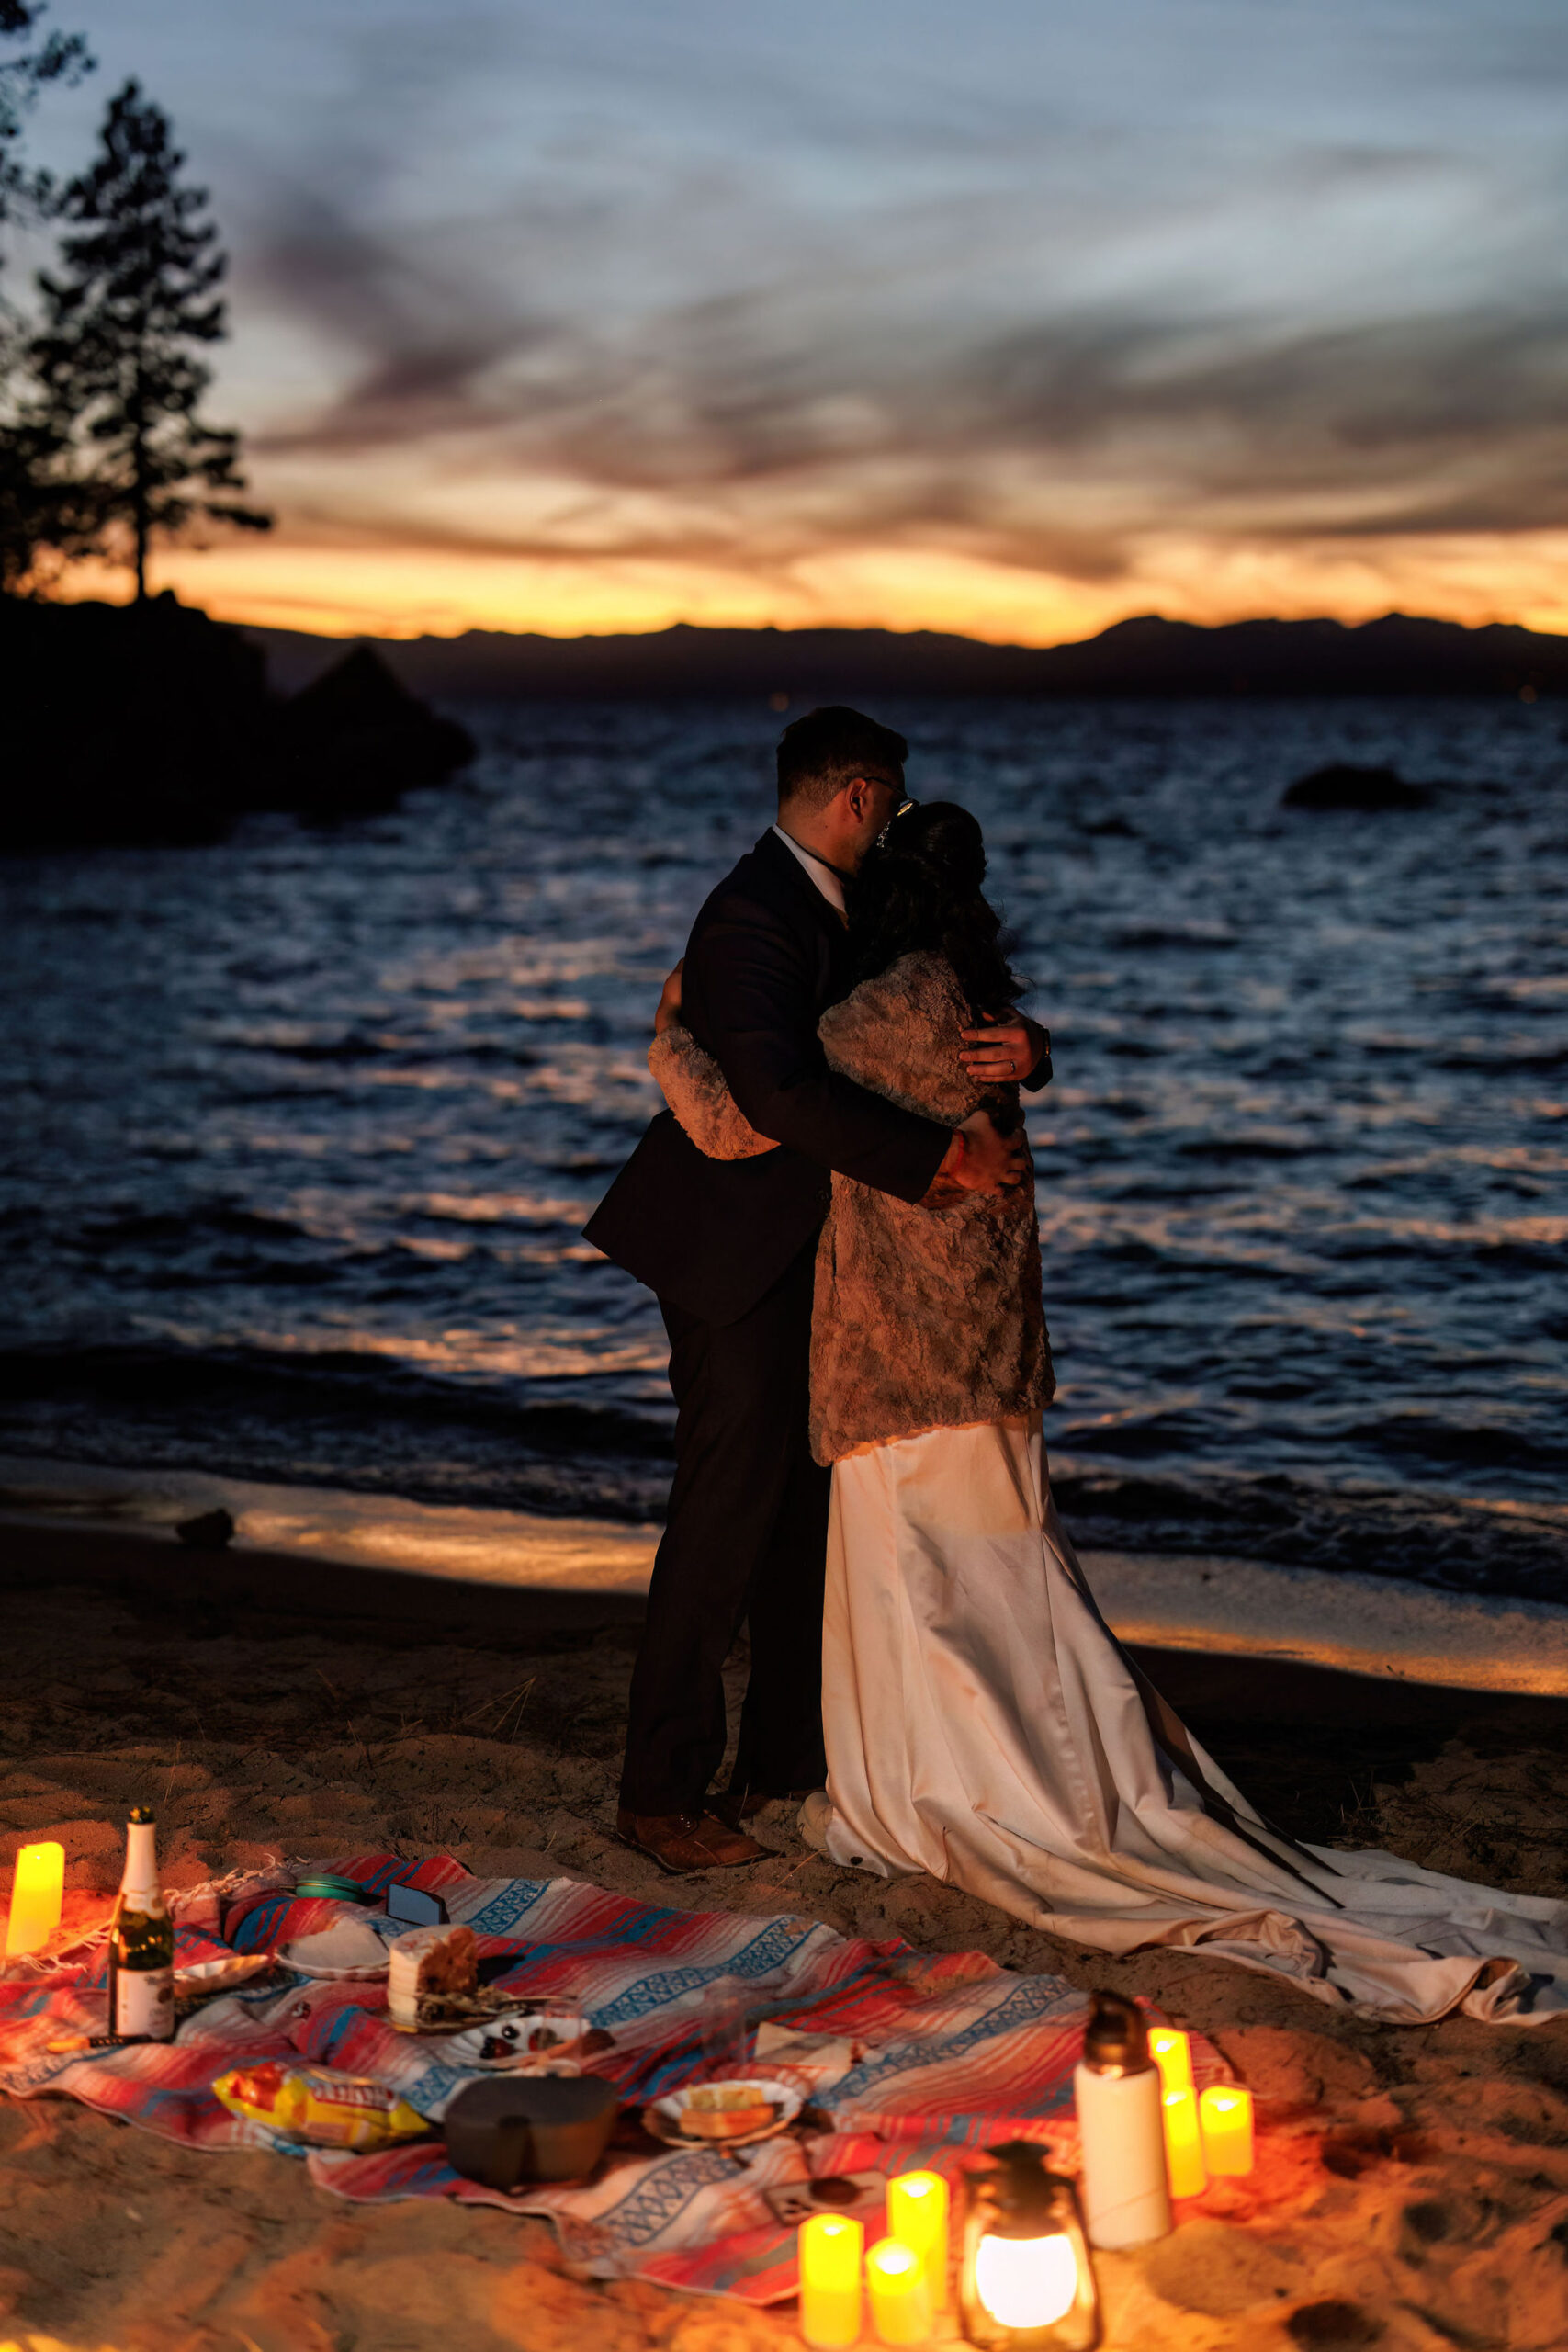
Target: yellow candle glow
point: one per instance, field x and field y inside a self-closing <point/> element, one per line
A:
<point x="37" y="1887"/>
<point x="1224" y="2113"/>
<point x="900" y="2299"/>
<point x="1172" y="2052"/>
<point x="917" y="2215"/>
<point x="830" y="2246"/>
<point x="1183" y="2146"/>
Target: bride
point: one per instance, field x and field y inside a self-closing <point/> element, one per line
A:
<point x="982" y="1722"/>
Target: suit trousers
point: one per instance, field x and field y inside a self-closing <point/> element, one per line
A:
<point x="746" y="1539"/>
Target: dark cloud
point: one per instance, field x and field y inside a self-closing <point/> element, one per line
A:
<point x="1023" y="284"/>
<point x="848" y="428"/>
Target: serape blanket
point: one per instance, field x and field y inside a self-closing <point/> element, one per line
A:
<point x="905" y="2058"/>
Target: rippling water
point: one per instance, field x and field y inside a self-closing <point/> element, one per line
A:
<point x="301" y="1130"/>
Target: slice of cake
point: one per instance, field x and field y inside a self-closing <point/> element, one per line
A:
<point x="428" y="1966"/>
<point x="724" y="2111"/>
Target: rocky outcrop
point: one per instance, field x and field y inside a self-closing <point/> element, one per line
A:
<point x="356" y="741"/>
<point x="152" y="723"/>
<point x="1342" y="787"/>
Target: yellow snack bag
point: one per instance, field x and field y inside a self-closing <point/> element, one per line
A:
<point x="313" y="2104"/>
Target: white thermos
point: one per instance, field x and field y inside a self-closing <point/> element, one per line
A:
<point x="1125" y="2197"/>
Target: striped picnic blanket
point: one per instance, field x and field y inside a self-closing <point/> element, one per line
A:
<point x="905" y="2058"/>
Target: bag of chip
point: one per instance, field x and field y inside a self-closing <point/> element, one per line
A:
<point x="324" y="2109"/>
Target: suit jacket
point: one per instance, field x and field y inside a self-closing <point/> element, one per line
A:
<point x="767" y="956"/>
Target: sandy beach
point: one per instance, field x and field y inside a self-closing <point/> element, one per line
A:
<point x="1413" y="2190"/>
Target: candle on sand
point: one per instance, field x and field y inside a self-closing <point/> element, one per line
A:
<point x="1183" y="2146"/>
<point x="831" y="2246"/>
<point x="917" y="2216"/>
<point x="1172" y="2051"/>
<point x="1224" y="2114"/>
<point x="37" y="1892"/>
<point x="900" y="2299"/>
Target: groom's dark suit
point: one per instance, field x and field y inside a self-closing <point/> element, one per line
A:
<point x="728" y="1246"/>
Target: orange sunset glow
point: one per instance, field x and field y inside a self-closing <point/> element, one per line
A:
<point x="393" y="592"/>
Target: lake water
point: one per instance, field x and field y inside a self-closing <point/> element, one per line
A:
<point x="301" y="1130"/>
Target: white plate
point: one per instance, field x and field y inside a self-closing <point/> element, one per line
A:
<point x="212" y="1975"/>
<point x="662" y="2116"/>
<point x="345" y="1952"/>
<point x="518" y="2041"/>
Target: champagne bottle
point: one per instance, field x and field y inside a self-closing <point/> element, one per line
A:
<point x="142" y="1943"/>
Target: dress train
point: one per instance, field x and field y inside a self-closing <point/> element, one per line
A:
<point x="984" y="1726"/>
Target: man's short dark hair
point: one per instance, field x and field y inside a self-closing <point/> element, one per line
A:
<point x="827" y="749"/>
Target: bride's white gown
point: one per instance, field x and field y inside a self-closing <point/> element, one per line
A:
<point x="984" y="1724"/>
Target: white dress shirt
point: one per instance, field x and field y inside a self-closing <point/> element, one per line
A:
<point x="830" y="883"/>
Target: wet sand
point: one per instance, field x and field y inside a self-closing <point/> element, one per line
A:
<point x="1413" y="2187"/>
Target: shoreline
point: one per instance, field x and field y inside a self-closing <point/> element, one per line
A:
<point x="61" y="1520"/>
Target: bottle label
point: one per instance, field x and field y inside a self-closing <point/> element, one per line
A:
<point x="144" y="2003"/>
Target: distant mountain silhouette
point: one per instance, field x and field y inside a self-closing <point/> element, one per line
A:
<point x="1396" y="655"/>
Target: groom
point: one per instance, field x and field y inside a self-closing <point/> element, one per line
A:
<point x="729" y="1248"/>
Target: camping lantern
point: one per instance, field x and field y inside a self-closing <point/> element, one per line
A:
<point x="1027" y="2284"/>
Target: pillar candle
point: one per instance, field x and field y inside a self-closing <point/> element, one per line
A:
<point x="900" y="2299"/>
<point x="1224" y="2113"/>
<point x="1172" y="2053"/>
<point x="830" y="2246"/>
<point x="1183" y="2146"/>
<point x="917" y="2214"/>
<point x="36" y="1885"/>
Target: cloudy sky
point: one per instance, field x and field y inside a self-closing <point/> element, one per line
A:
<point x="1010" y="316"/>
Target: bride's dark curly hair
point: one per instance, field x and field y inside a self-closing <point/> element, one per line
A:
<point x="919" y="888"/>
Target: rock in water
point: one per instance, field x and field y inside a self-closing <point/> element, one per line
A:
<point x="1341" y="786"/>
<point x="356" y="740"/>
<point x="209" y="1530"/>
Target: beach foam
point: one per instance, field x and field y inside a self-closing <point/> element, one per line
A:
<point x="1378" y="1626"/>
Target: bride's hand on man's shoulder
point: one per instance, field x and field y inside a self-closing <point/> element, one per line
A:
<point x="669" y="1008"/>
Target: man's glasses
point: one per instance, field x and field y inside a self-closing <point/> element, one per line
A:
<point x="903" y="809"/>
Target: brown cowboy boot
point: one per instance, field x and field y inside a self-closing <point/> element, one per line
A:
<point x="683" y="1842"/>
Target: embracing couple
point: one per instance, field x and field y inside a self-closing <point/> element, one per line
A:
<point x="837" y="1214"/>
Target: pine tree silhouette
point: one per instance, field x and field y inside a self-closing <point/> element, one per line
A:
<point x="60" y="57"/>
<point x="40" y="512"/>
<point x="116" y="354"/>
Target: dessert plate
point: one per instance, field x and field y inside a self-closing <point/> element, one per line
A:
<point x="553" y="2039"/>
<point x="662" y="2116"/>
<point x="343" y="1952"/>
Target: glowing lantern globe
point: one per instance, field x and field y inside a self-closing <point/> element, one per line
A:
<point x="1027" y="2283"/>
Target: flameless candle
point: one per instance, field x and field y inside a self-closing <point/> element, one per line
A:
<point x="917" y="2214"/>
<point x="1172" y="2052"/>
<point x="36" y="1891"/>
<point x="830" y="2246"/>
<point x="1183" y="2146"/>
<point x="1225" y="2112"/>
<point x="900" y="2299"/>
